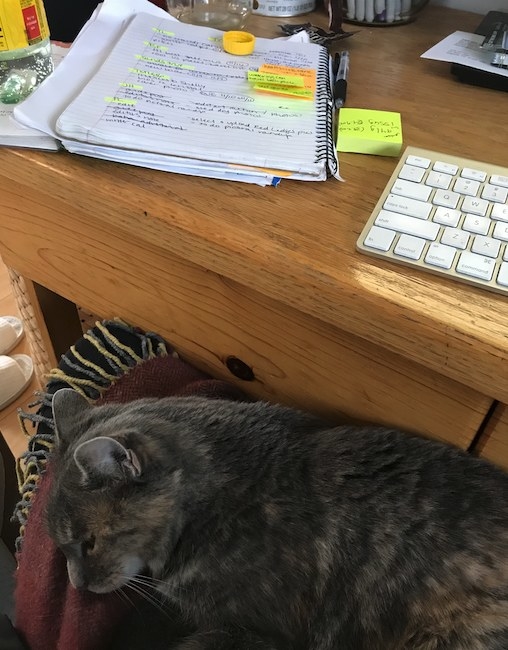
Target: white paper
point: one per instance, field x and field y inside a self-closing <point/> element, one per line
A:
<point x="464" y="48"/>
<point x="13" y="134"/>
<point x="87" y="53"/>
<point x="175" y="91"/>
<point x="173" y="164"/>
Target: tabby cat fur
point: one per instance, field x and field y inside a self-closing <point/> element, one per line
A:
<point x="270" y="530"/>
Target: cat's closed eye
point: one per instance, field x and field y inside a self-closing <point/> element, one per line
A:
<point x="88" y="545"/>
<point x="78" y="548"/>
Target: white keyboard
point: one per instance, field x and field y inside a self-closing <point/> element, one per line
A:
<point x="446" y="215"/>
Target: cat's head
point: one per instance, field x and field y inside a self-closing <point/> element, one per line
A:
<point x="113" y="507"/>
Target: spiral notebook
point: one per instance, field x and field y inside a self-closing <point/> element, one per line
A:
<point x="169" y="97"/>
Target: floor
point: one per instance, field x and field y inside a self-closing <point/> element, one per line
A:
<point x="9" y="424"/>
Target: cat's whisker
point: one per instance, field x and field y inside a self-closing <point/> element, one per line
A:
<point x="146" y="582"/>
<point x="123" y="596"/>
<point x="146" y="595"/>
<point x="149" y="579"/>
<point x="157" y="585"/>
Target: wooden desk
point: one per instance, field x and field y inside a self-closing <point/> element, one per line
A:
<point x="268" y="276"/>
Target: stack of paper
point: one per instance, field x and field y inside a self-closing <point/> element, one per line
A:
<point x="465" y="49"/>
<point x="140" y="88"/>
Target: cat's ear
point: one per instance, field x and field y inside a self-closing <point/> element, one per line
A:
<point x="104" y="459"/>
<point x="68" y="408"/>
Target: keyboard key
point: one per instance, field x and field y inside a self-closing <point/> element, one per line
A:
<point x="486" y="246"/>
<point x="502" y="276"/>
<point x="379" y="238"/>
<point x="501" y="231"/>
<point x="455" y="237"/>
<point x="411" y="207"/>
<point x="446" y="199"/>
<point x="475" y="205"/>
<point x="417" y="161"/>
<point x="497" y="179"/>
<point x="478" y="225"/>
<point x="476" y="266"/>
<point x="411" y="190"/>
<point x="473" y="174"/>
<point x="435" y="179"/>
<point x="440" y="255"/>
<point x="494" y="193"/>
<point x="446" y="168"/>
<point x="409" y="246"/>
<point x="408" y="225"/>
<point x="466" y="186"/>
<point x="499" y="212"/>
<point x="447" y="217"/>
<point x="411" y="173"/>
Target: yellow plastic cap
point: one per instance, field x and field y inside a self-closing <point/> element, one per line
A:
<point x="240" y="43"/>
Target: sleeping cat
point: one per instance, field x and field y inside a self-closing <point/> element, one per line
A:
<point x="270" y="530"/>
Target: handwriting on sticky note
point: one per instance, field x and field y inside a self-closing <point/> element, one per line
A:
<point x="380" y="125"/>
<point x="300" y="93"/>
<point x="299" y="83"/>
<point x="308" y="74"/>
<point x="367" y="131"/>
<point x="275" y="79"/>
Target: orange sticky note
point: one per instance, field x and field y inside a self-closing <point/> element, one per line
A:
<point x="308" y="74"/>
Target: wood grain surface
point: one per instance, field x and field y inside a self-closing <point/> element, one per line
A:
<point x="178" y="253"/>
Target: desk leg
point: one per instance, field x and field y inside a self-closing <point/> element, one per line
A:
<point x="51" y="322"/>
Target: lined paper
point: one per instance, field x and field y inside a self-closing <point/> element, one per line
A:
<point x="169" y="88"/>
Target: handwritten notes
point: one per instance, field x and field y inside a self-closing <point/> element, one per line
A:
<point x="170" y="88"/>
<point x="366" y="131"/>
<point x="284" y="80"/>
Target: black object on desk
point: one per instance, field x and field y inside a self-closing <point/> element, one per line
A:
<point x="66" y="19"/>
<point x="478" y="77"/>
<point x="340" y="73"/>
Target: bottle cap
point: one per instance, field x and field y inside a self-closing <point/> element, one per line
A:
<point x="239" y="43"/>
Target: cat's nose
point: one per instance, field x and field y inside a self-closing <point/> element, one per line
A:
<point x="77" y="577"/>
<point x="78" y="582"/>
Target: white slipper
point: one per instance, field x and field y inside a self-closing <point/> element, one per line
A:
<point x="11" y="332"/>
<point x="15" y="375"/>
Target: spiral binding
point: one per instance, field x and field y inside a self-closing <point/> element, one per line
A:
<point x="325" y="149"/>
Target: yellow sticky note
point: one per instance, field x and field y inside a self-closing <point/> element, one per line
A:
<point x="274" y="79"/>
<point x="365" y="131"/>
<point x="300" y="93"/>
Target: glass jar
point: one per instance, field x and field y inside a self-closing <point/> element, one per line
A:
<point x="219" y="14"/>
<point x="381" y="12"/>
<point x="283" y="8"/>
<point x="25" y="49"/>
